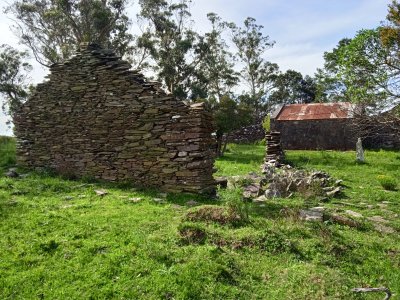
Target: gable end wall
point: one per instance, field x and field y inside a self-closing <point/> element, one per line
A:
<point x="95" y="117"/>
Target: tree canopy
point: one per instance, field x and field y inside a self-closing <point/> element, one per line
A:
<point x="226" y="64"/>
<point x="13" y="74"/>
<point x="53" y="29"/>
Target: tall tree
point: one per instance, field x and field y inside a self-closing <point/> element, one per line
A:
<point x="13" y="74"/>
<point x="229" y="115"/>
<point x="52" y="29"/>
<point x="329" y="87"/>
<point x="290" y="87"/>
<point x="390" y="31"/>
<point x="174" y="47"/>
<point x="257" y="73"/>
<point x="217" y="64"/>
<point x="369" y="70"/>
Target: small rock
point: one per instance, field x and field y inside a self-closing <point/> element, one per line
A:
<point x="342" y="220"/>
<point x="383" y="229"/>
<point x="262" y="198"/>
<point x="319" y="174"/>
<point x="251" y="191"/>
<point x="378" y="219"/>
<point x="192" y="203"/>
<point x="318" y="208"/>
<point x="339" y="182"/>
<point x="12" y="173"/>
<point x="222" y="182"/>
<point x="334" y="192"/>
<point x="272" y="193"/>
<point x="101" y="193"/>
<point x="67" y="198"/>
<point x="353" y="214"/>
<point x="163" y="195"/>
<point x="159" y="200"/>
<point x="135" y="199"/>
<point x="311" y="215"/>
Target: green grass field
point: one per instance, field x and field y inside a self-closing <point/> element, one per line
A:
<point x="59" y="240"/>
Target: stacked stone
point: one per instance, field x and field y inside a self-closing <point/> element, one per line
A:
<point x="248" y="134"/>
<point x="96" y="117"/>
<point x="274" y="152"/>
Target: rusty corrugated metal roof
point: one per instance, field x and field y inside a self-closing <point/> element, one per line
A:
<point x="316" y="111"/>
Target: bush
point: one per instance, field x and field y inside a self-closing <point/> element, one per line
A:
<point x="387" y="182"/>
<point x="267" y="123"/>
<point x="234" y="201"/>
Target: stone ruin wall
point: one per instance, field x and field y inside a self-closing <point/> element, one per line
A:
<point x="329" y="134"/>
<point x="95" y="117"/>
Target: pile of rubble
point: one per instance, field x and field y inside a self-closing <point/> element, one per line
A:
<point x="286" y="180"/>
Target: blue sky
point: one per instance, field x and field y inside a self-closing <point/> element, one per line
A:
<point x="302" y="29"/>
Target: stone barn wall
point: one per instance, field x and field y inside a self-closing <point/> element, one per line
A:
<point x="95" y="117"/>
<point x="328" y="134"/>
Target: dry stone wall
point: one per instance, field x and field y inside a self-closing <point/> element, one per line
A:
<point x="96" y="117"/>
<point x="327" y="134"/>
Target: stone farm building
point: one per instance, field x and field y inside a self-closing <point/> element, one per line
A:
<point x="96" y="117"/>
<point x="315" y="126"/>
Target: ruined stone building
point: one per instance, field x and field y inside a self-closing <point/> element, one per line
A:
<point x="96" y="117"/>
<point x="315" y="126"/>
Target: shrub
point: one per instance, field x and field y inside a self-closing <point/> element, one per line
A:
<point x="236" y="205"/>
<point x="267" y="123"/>
<point x="387" y="182"/>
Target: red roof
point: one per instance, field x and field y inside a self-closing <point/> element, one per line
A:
<point x="316" y="111"/>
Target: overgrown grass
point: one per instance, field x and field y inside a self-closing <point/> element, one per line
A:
<point x="7" y="151"/>
<point x="59" y="240"/>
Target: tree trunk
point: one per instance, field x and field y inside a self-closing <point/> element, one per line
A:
<point x="219" y="145"/>
<point x="225" y="143"/>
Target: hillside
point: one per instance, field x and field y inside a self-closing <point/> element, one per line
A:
<point x="79" y="239"/>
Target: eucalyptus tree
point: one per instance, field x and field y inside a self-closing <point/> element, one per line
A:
<point x="217" y="65"/>
<point x="52" y="29"/>
<point x="14" y="70"/>
<point x="329" y="86"/>
<point x="257" y="73"/>
<point x="175" y="49"/>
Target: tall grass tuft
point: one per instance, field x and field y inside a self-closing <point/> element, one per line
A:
<point x="387" y="182"/>
<point x="7" y="152"/>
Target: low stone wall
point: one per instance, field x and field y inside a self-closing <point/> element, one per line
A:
<point x="95" y="117"/>
<point x="248" y="134"/>
<point x="331" y="134"/>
